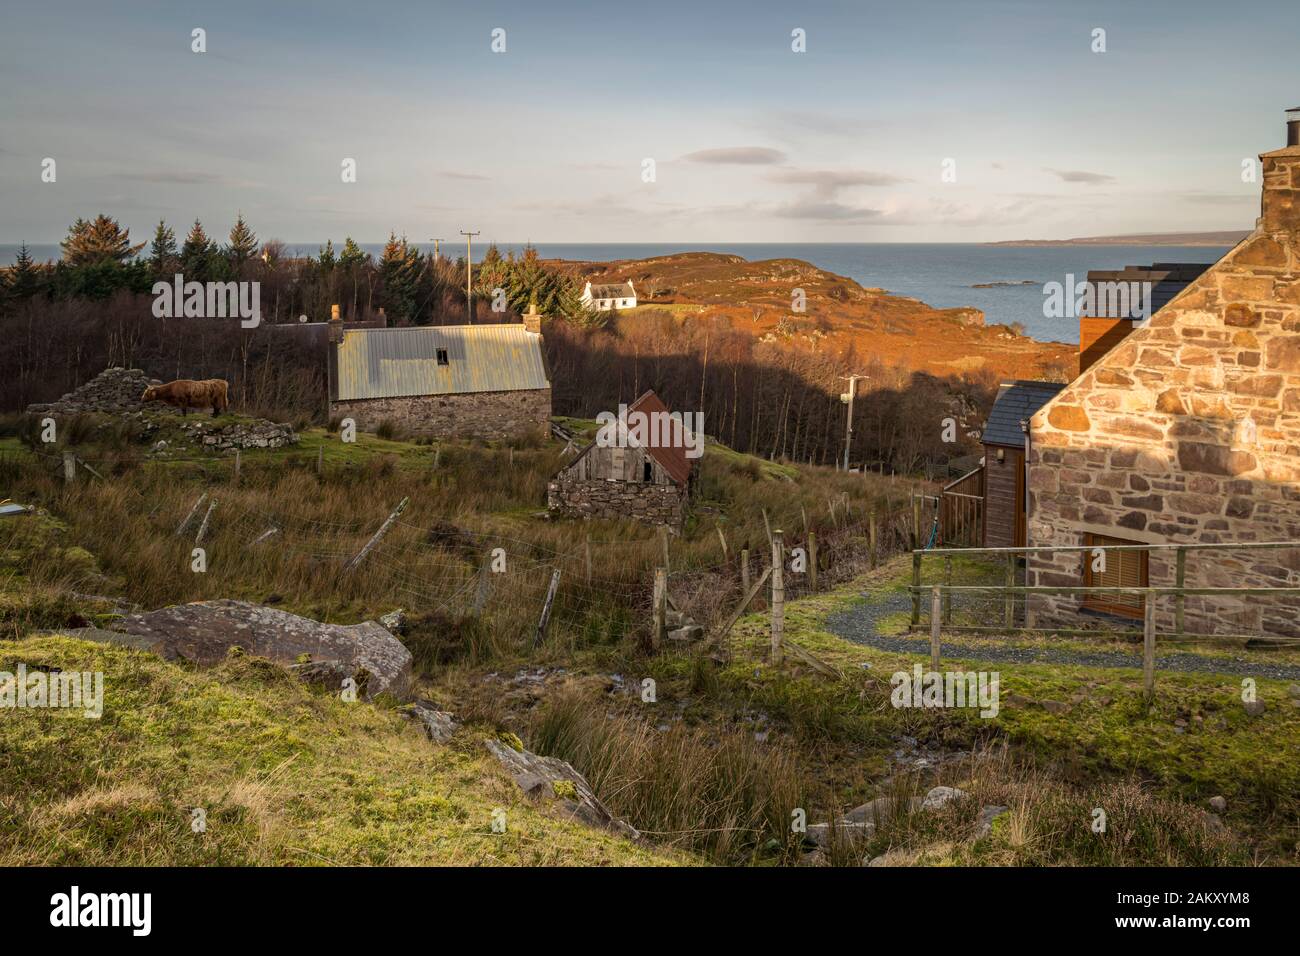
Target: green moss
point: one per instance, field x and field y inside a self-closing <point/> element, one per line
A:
<point x="564" y="789"/>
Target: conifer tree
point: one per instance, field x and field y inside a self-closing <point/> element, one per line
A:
<point x="196" y="253"/>
<point x="98" y="241"/>
<point x="243" y="244"/>
<point x="162" y="251"/>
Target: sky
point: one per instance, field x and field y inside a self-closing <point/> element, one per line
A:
<point x="1040" y="135"/>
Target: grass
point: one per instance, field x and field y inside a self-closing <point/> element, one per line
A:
<point x="285" y="776"/>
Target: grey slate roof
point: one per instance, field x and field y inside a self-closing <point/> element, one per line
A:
<point x="1016" y="401"/>
<point x="1167" y="280"/>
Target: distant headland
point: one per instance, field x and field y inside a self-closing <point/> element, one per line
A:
<point x="1226" y="237"/>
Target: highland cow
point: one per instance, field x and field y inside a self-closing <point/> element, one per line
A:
<point x="186" y="394"/>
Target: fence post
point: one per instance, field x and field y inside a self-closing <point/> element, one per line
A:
<point x="871" y="537"/>
<point x="812" y="560"/>
<point x="236" y="466"/>
<point x="936" y="615"/>
<point x="1011" y="597"/>
<point x="546" y="608"/>
<point x="663" y="540"/>
<point x="767" y="526"/>
<point x="69" y="467"/>
<point x="587" y="545"/>
<point x="744" y="571"/>
<point x="916" y="585"/>
<point x="916" y="521"/>
<point x="374" y="540"/>
<point x="947" y="595"/>
<point x="661" y="606"/>
<point x="180" y="529"/>
<point x="1180" y="599"/>
<point x="778" y="595"/>
<point x="1149" y="648"/>
<point x="726" y="553"/>
<point x="203" y="528"/>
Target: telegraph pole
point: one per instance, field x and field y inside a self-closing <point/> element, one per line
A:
<point x="469" y="273"/>
<point x="848" y="420"/>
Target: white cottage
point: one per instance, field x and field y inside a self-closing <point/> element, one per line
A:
<point x="605" y="298"/>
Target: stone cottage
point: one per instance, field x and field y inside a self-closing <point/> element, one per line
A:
<point x="442" y="381"/>
<point x="626" y="473"/>
<point x="1186" y="431"/>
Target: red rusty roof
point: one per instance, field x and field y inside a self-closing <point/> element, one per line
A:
<point x="672" y="457"/>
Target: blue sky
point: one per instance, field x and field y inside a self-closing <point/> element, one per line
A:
<point x="546" y="141"/>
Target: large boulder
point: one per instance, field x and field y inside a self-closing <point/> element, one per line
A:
<point x="205" y="631"/>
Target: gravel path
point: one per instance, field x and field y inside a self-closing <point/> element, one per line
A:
<point x="858" y="624"/>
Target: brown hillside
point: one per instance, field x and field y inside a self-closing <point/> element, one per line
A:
<point x="898" y="330"/>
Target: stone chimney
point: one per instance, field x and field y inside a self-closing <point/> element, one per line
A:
<point x="1280" y="203"/>
<point x="336" y="324"/>
<point x="532" y="320"/>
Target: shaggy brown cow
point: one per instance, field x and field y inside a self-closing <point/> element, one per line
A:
<point x="186" y="394"/>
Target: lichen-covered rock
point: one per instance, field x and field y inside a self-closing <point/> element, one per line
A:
<point x="541" y="777"/>
<point x="204" y="632"/>
<point x="438" y="725"/>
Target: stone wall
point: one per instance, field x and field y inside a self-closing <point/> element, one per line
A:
<point x="1189" y="431"/>
<point x="112" y="390"/>
<point x="489" y="415"/>
<point x="640" y="501"/>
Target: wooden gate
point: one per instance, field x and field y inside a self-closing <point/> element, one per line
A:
<point x="961" y="511"/>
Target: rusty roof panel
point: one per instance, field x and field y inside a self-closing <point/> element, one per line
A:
<point x="387" y="363"/>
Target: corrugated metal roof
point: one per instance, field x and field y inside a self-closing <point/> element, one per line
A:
<point x="1016" y="401"/>
<point x="386" y="363"/>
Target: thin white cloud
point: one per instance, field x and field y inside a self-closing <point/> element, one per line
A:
<point x="737" y="156"/>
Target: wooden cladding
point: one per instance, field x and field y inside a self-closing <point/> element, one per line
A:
<point x="1122" y="569"/>
<point x="1099" y="336"/>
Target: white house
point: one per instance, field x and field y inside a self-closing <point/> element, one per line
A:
<point x="604" y="298"/>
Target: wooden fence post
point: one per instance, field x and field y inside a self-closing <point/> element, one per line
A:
<point x="69" y="467"/>
<point x="663" y="540"/>
<point x="1149" y="648"/>
<point x="203" y="528"/>
<point x="546" y="608"/>
<point x="374" y="539"/>
<point x="916" y="585"/>
<point x="812" y="561"/>
<point x="236" y="466"/>
<point x="726" y="553"/>
<point x="587" y="545"/>
<point x="871" y="532"/>
<point x="661" y="607"/>
<point x="1010" y="609"/>
<point x="744" y="571"/>
<point x="936" y="617"/>
<point x="180" y="529"/>
<point x="767" y="526"/>
<point x="1180" y="599"/>
<point x="916" y="521"/>
<point x="778" y="595"/>
<point x="947" y="595"/>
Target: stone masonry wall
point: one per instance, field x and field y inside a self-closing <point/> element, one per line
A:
<point x="604" y="498"/>
<point x="1189" y="431"/>
<point x="489" y="415"/>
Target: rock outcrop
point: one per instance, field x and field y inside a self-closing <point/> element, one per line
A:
<point x="540" y="777"/>
<point x="204" y="632"/>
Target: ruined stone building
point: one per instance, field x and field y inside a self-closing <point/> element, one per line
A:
<point x="1186" y="430"/>
<point x="629" y="476"/>
<point x="442" y="381"/>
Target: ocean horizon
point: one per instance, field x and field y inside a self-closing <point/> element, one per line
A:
<point x="942" y="275"/>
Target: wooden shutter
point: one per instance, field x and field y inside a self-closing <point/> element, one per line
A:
<point x="1123" y="569"/>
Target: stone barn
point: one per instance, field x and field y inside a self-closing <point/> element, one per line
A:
<point x="442" y="381"/>
<point x="647" y="479"/>
<point x="1186" y="431"/>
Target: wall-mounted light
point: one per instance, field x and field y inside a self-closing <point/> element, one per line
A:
<point x="1002" y="454"/>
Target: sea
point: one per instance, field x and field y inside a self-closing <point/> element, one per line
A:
<point x="1005" y="282"/>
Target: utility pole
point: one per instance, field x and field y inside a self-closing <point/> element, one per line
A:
<point x="435" y="247"/>
<point x="847" y="398"/>
<point x="469" y="273"/>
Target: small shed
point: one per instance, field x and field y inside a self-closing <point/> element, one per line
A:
<point x="630" y="476"/>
